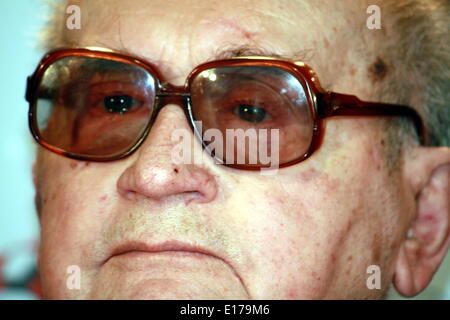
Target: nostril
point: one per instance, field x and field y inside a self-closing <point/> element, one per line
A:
<point x="175" y="170"/>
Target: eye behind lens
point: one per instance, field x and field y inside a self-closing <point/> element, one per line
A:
<point x="251" y="113"/>
<point x="262" y="114"/>
<point x="118" y="104"/>
<point x="93" y="107"/>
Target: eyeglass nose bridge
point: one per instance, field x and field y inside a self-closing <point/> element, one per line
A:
<point x="169" y="94"/>
<point x="166" y="93"/>
<point x="166" y="89"/>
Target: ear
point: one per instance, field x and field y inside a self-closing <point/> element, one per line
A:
<point x="427" y="172"/>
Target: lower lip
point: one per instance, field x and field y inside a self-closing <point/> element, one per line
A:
<point x="165" y="275"/>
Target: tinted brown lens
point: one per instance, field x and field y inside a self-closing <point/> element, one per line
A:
<point x="261" y="112"/>
<point x="93" y="107"/>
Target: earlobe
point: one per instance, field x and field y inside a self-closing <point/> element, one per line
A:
<point x="403" y="278"/>
<point x="421" y="254"/>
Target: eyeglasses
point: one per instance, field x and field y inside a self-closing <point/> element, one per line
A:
<point x="98" y="105"/>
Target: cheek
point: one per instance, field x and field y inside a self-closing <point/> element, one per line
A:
<point x="57" y="242"/>
<point x="288" y="235"/>
<point x="73" y="213"/>
<point x="317" y="230"/>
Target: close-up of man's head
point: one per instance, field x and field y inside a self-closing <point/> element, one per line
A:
<point x="247" y="149"/>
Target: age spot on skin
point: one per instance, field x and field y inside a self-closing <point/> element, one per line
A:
<point x="333" y="257"/>
<point x="349" y="226"/>
<point x="378" y="70"/>
<point x="309" y="175"/>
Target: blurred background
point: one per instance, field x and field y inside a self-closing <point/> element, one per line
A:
<point x="19" y="227"/>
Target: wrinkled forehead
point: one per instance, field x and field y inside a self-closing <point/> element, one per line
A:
<point x="178" y="35"/>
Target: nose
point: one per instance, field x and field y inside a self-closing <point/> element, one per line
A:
<point x="153" y="174"/>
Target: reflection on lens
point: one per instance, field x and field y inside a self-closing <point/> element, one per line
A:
<point x="93" y="107"/>
<point x="252" y="106"/>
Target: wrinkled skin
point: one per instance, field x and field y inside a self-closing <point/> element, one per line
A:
<point x="308" y="232"/>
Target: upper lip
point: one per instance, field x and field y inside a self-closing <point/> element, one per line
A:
<point x="171" y="245"/>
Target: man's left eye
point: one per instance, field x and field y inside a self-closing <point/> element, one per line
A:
<point x="119" y="104"/>
<point x="251" y="113"/>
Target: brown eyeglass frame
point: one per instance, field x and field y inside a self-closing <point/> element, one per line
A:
<point x="323" y="104"/>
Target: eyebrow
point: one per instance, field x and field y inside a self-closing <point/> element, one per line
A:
<point x="235" y="51"/>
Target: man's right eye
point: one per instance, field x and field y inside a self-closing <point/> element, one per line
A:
<point x="120" y="103"/>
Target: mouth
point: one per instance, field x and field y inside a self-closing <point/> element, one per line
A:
<point x="166" y="246"/>
<point x="177" y="247"/>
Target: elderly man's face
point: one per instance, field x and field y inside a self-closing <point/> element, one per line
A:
<point x="310" y="231"/>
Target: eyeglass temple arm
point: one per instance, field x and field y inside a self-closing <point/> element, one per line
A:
<point x="337" y="104"/>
